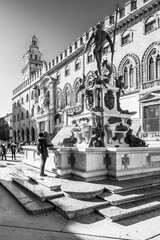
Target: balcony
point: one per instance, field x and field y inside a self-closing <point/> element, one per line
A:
<point x="151" y="84"/>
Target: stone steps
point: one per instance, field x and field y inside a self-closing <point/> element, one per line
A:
<point x="130" y="196"/>
<point x="42" y="192"/>
<point x="128" y="185"/>
<point x="115" y="213"/>
<point x="30" y="203"/>
<point x="71" y="208"/>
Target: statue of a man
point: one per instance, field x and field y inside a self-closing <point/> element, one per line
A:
<point x="99" y="36"/>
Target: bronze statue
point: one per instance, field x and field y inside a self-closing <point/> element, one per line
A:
<point x="134" y="141"/>
<point x="98" y="38"/>
<point x="120" y="85"/>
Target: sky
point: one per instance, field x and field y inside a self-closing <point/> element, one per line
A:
<point x="56" y="23"/>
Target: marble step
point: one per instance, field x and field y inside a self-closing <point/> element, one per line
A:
<point x="49" y="182"/>
<point x="71" y="208"/>
<point x="42" y="192"/>
<point x="81" y="190"/>
<point x="129" y="185"/>
<point x="115" y="213"/>
<point x="125" y="197"/>
<point x="30" y="203"/>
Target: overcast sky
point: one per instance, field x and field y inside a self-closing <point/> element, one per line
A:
<point x="56" y="23"/>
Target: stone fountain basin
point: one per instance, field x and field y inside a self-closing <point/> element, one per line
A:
<point x="81" y="190"/>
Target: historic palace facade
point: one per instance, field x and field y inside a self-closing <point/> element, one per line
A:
<point x="48" y="97"/>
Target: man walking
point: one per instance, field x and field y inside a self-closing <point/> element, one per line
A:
<point x="3" y="151"/>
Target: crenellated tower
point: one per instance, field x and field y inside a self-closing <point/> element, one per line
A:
<point x="32" y="59"/>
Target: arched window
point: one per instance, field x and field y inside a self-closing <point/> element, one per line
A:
<point x="131" y="75"/>
<point x="158" y="67"/>
<point x="126" y="77"/>
<point x="151" y="69"/>
<point x="67" y="96"/>
<point x="77" y="93"/>
<point x="32" y="134"/>
<point x="22" y="134"/>
<point x="59" y="99"/>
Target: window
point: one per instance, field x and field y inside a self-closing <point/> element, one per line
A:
<point x="150" y="24"/>
<point x="111" y="20"/>
<point x="22" y="100"/>
<point x="27" y="97"/>
<point x="65" y="53"/>
<point x="133" y="5"/>
<point x="81" y="41"/>
<point x="89" y="57"/>
<point x="14" y="118"/>
<point x="126" y="37"/>
<point x="36" y="57"/>
<point x="87" y="36"/>
<point x="67" y="96"/>
<point x="61" y="56"/>
<point x="122" y="13"/>
<point x="151" y="69"/>
<point x="27" y="114"/>
<point x="32" y="94"/>
<point x="75" y="45"/>
<point x="59" y="100"/>
<point x="129" y="75"/>
<point x="151" y="118"/>
<point x="77" y="64"/>
<point x="32" y="111"/>
<point x="158" y="67"/>
<point x="77" y="93"/>
<point x="22" y="116"/>
<point x="126" y="77"/>
<point x="56" y="59"/>
<point x="70" y="49"/>
<point x="67" y="71"/>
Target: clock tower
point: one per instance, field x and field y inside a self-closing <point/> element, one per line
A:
<point x="32" y="59"/>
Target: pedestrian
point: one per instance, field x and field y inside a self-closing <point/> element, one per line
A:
<point x="3" y="151"/>
<point x="13" y="150"/>
<point x="43" y="152"/>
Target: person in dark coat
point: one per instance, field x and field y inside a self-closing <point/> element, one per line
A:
<point x="3" y="151"/>
<point x="42" y="151"/>
<point x="13" y="150"/>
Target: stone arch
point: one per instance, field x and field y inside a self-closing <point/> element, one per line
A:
<point x="22" y="134"/>
<point x="33" y="134"/>
<point x="136" y="63"/>
<point x="153" y="46"/>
